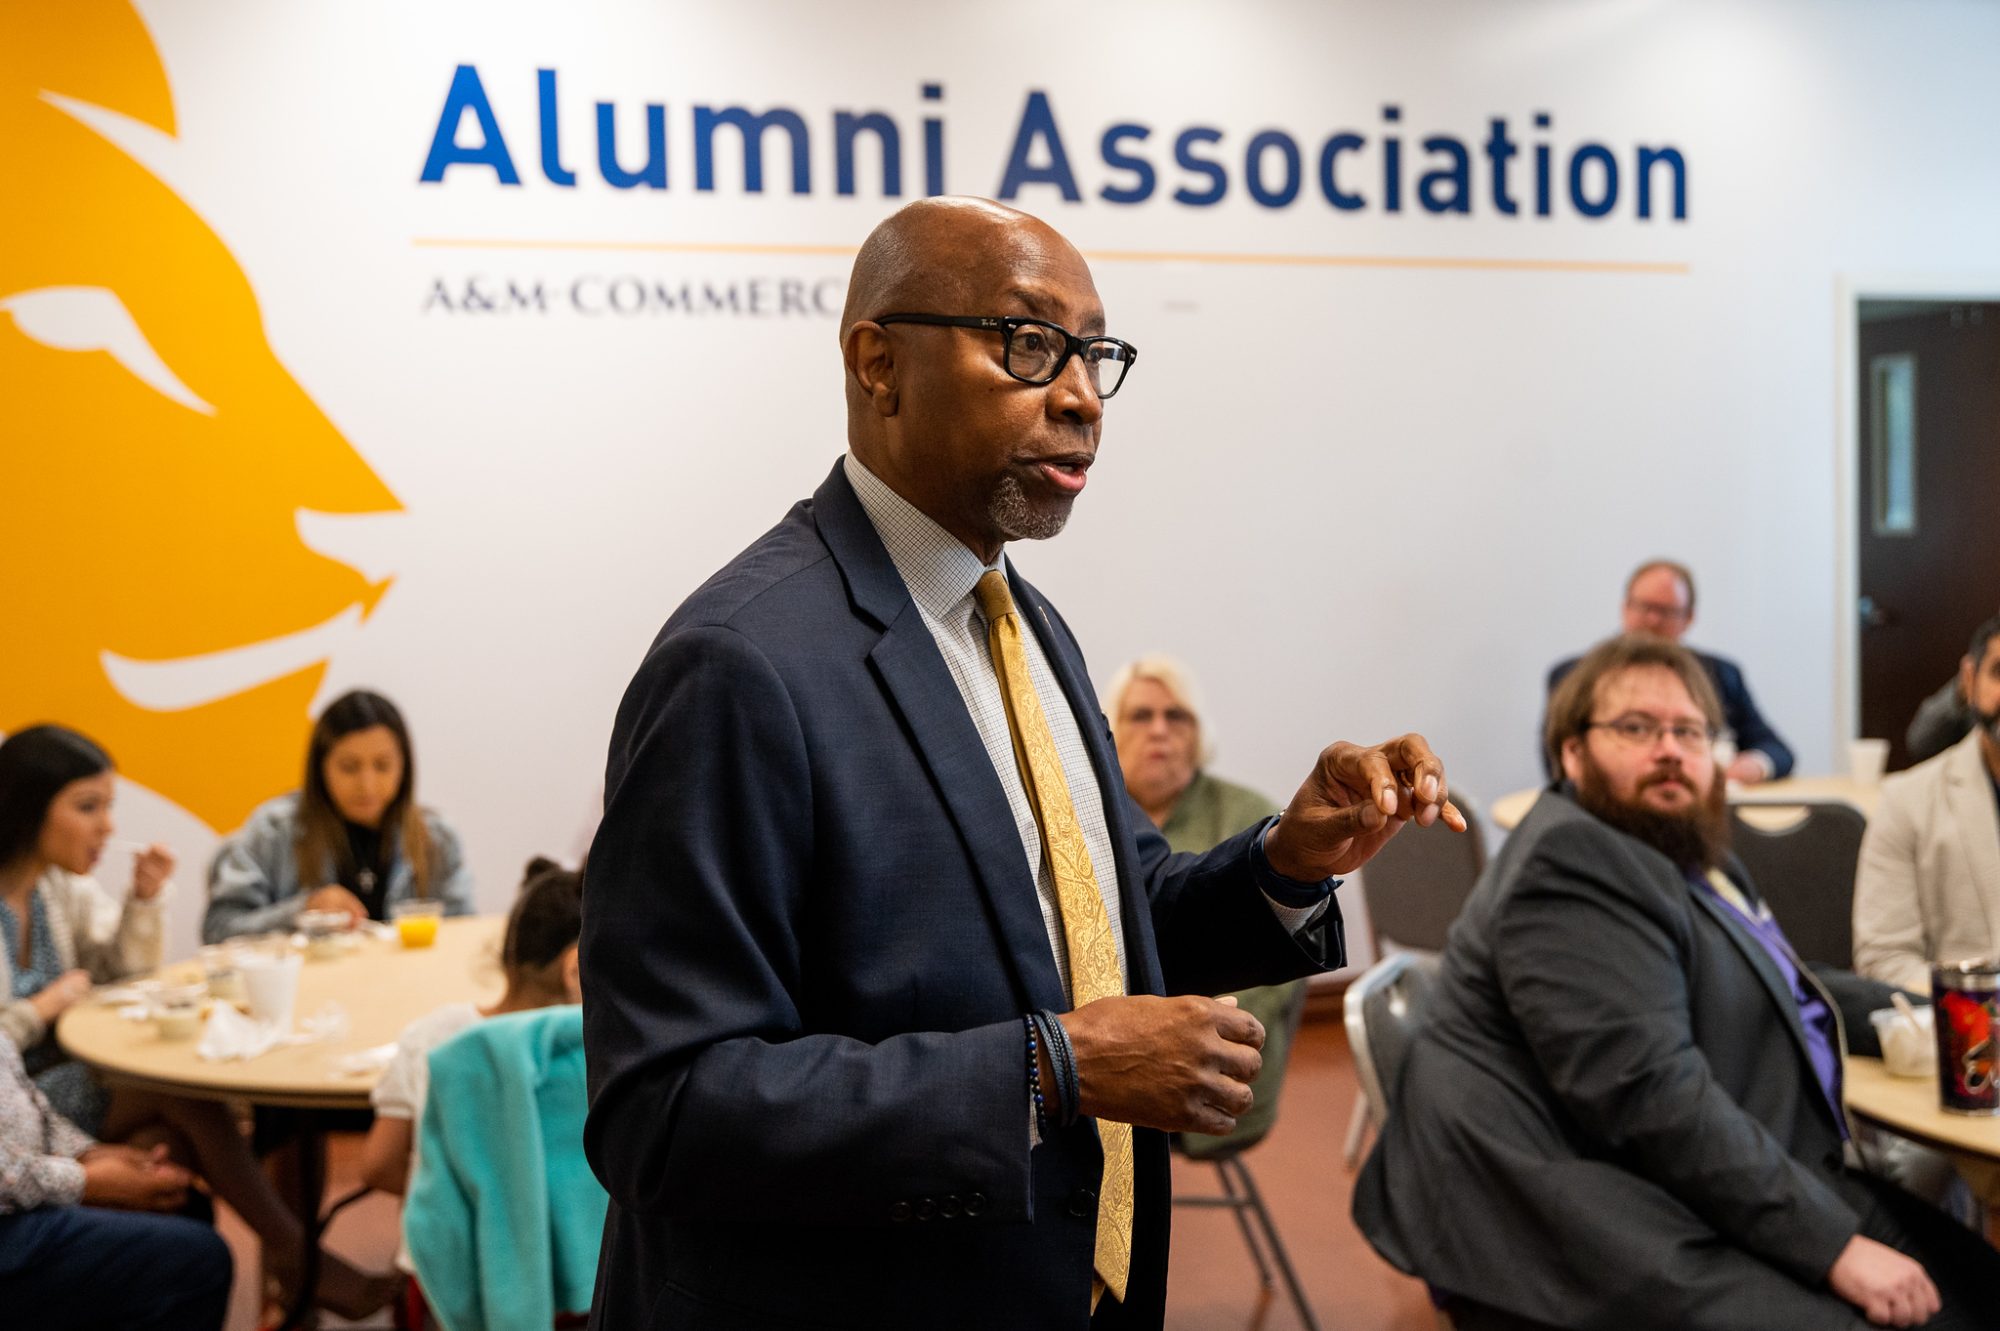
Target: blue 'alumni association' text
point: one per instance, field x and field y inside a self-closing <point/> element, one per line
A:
<point x="1381" y="169"/>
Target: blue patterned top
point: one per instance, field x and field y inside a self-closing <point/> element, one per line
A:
<point x="47" y="967"/>
<point x="71" y="1090"/>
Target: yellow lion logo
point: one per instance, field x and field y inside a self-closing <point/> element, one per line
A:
<point x="155" y="457"/>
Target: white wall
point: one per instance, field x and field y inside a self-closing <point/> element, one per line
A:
<point x="1357" y="499"/>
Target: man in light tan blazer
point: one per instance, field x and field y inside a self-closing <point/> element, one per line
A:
<point x="1928" y="886"/>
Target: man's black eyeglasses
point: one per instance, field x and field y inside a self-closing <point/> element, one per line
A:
<point x="1035" y="350"/>
<point x="1639" y="729"/>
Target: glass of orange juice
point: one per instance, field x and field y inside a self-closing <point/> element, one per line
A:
<point x="417" y="921"/>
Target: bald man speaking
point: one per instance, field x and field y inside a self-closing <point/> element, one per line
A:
<point x="878" y="957"/>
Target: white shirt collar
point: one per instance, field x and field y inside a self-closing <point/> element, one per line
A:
<point x="936" y="566"/>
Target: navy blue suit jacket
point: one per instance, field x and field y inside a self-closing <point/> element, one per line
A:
<point x="810" y="934"/>
<point x="1739" y="712"/>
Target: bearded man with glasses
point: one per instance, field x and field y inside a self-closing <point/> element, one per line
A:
<point x="891" y="993"/>
<point x="1624" y="1107"/>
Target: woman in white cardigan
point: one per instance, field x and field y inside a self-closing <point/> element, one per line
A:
<point x="62" y="933"/>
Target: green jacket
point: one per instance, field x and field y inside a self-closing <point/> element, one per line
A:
<point x="1209" y="812"/>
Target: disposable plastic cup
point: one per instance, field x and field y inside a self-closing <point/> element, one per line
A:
<point x="1865" y="760"/>
<point x="417" y="921"/>
<point x="271" y="982"/>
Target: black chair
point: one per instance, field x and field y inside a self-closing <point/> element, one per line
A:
<point x="1416" y="885"/>
<point x="1804" y="870"/>
<point x="1279" y="1008"/>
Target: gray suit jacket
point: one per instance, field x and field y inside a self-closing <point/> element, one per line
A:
<point x="1928" y="885"/>
<point x="1610" y="1119"/>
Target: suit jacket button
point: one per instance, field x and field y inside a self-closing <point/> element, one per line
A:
<point x="1083" y="1203"/>
<point x="900" y="1212"/>
<point x="926" y="1208"/>
<point x="975" y="1204"/>
<point x="951" y="1207"/>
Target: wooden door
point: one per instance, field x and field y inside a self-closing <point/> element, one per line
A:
<point x="1929" y="493"/>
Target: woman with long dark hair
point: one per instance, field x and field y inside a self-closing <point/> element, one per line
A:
<point x="62" y="932"/>
<point x="352" y="838"/>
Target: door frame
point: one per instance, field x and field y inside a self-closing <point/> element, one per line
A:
<point x="1850" y="289"/>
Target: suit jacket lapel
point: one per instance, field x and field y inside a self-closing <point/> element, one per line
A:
<point x="1969" y="798"/>
<point x="1142" y="956"/>
<point x="921" y="689"/>
<point x="1773" y="979"/>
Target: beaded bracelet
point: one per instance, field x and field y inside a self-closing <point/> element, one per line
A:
<point x="1035" y="1078"/>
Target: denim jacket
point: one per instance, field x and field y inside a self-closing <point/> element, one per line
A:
<point x="253" y="884"/>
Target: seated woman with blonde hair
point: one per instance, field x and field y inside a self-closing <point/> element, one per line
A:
<point x="1163" y="750"/>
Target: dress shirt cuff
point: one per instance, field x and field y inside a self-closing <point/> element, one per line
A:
<point x="1295" y="903"/>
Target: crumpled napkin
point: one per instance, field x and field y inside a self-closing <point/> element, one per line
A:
<point x="362" y="1062"/>
<point x="230" y="1035"/>
<point x="329" y="1023"/>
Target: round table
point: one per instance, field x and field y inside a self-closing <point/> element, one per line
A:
<point x="1508" y="811"/>
<point x="381" y="985"/>
<point x="1909" y="1106"/>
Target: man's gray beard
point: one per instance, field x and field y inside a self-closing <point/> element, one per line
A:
<point x="1017" y="519"/>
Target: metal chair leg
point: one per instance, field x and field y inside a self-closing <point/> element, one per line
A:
<point x="1237" y="1206"/>
<point x="1277" y="1245"/>
<point x="1357" y="1130"/>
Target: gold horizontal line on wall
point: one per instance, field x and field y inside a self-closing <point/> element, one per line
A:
<point x="1444" y="262"/>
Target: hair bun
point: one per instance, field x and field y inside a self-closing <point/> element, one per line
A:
<point x="537" y="866"/>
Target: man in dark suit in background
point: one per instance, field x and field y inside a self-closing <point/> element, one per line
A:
<point x="1624" y="1111"/>
<point x="864" y="820"/>
<point x="1659" y="599"/>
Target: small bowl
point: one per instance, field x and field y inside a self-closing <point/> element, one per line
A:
<point x="218" y="967"/>
<point x="176" y="1010"/>
<point x="324" y="930"/>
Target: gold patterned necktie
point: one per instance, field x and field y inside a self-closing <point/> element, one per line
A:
<point x="1093" y="953"/>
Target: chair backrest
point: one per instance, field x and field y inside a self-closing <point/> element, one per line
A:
<point x="1416" y="885"/>
<point x="1279" y="1007"/>
<point x="1805" y="873"/>
<point x="503" y="1217"/>
<point x="1385" y="1008"/>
